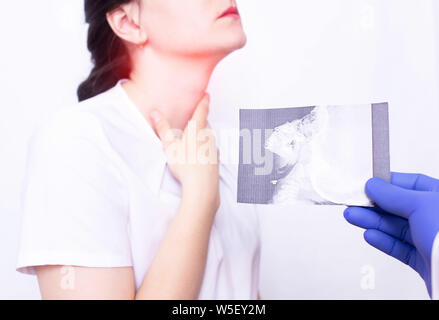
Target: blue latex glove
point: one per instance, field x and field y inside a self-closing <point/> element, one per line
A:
<point x="406" y="220"/>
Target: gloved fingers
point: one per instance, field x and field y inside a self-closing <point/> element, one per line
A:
<point x="402" y="251"/>
<point x="370" y="218"/>
<point x="393" y="199"/>
<point x="413" y="181"/>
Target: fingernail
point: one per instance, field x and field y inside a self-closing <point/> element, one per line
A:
<point x="155" y="116"/>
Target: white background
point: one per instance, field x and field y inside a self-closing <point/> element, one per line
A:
<point x="300" y="53"/>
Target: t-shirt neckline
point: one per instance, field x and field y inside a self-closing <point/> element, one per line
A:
<point x="135" y="113"/>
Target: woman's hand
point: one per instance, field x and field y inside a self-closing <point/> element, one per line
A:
<point x="193" y="155"/>
<point x="177" y="270"/>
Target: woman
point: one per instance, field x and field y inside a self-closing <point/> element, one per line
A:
<point x="110" y="213"/>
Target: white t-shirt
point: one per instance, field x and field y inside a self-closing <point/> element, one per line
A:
<point x="99" y="194"/>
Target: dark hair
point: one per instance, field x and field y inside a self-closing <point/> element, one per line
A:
<point x="108" y="53"/>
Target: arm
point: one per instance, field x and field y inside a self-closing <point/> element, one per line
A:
<point x="178" y="268"/>
<point x="185" y="245"/>
<point x="82" y="283"/>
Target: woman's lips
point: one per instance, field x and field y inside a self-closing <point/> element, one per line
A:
<point x="231" y="12"/>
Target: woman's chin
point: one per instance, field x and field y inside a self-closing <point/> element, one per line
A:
<point x="234" y="43"/>
<point x="242" y="42"/>
<point x="220" y="48"/>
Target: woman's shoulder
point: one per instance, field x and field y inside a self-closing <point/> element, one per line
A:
<point x="74" y="138"/>
<point x="73" y="131"/>
<point x="70" y="123"/>
<point x="85" y="120"/>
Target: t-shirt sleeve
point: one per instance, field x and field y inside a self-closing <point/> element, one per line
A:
<point x="75" y="201"/>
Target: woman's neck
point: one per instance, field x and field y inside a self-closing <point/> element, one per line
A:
<point x="173" y="85"/>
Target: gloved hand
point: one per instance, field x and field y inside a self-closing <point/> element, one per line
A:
<point x="406" y="220"/>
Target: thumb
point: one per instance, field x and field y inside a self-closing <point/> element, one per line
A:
<point x="393" y="199"/>
<point x="162" y="128"/>
<point x="201" y="112"/>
